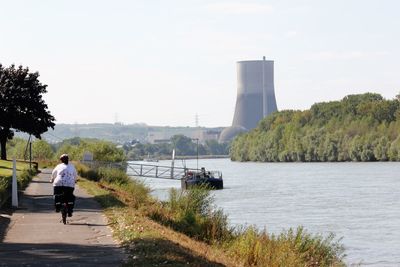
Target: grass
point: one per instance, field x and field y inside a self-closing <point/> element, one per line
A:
<point x="6" y="167"/>
<point x="24" y="175"/>
<point x="190" y="229"/>
<point x="192" y="212"/>
<point x="290" y="248"/>
<point x="148" y="243"/>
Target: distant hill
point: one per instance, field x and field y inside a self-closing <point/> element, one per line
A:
<point x="363" y="127"/>
<point x="118" y="133"/>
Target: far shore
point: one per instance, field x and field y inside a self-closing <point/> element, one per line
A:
<point x="193" y="157"/>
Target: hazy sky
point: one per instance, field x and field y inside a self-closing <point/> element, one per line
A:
<point x="161" y="62"/>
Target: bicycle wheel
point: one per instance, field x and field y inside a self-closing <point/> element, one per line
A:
<point x="64" y="213"/>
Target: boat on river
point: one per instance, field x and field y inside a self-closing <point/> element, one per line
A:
<point x="212" y="179"/>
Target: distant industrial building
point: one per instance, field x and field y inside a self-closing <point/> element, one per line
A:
<point x="255" y="96"/>
<point x="201" y="134"/>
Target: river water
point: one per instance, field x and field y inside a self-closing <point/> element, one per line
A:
<point x="357" y="201"/>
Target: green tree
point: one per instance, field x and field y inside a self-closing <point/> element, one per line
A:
<point x="22" y="107"/>
<point x="184" y="145"/>
<point x="363" y="127"/>
<point x="16" y="147"/>
<point x="41" y="150"/>
<point x="105" y="151"/>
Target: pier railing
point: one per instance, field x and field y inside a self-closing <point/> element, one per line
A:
<point x="155" y="171"/>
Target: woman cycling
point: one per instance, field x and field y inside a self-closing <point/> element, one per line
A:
<point x="64" y="177"/>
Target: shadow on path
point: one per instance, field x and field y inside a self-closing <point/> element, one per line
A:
<point x="161" y="252"/>
<point x="56" y="254"/>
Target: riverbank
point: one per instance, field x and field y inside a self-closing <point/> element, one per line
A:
<point x="169" y="157"/>
<point x="358" y="201"/>
<point x="148" y="242"/>
<point x="190" y="220"/>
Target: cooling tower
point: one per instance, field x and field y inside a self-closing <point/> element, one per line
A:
<point x="255" y="96"/>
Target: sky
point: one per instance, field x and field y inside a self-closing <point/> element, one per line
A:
<point x="163" y="62"/>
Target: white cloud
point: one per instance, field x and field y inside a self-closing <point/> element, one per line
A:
<point x="238" y="8"/>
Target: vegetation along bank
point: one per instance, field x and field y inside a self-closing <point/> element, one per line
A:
<point x="186" y="229"/>
<point x="363" y="127"/>
<point x="189" y="230"/>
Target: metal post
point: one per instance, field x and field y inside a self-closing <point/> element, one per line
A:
<point x="263" y="88"/>
<point x="30" y="155"/>
<point x="172" y="163"/>
<point x="197" y="153"/>
<point x="14" y="189"/>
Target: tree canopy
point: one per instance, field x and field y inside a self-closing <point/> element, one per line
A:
<point x="364" y="127"/>
<point x="22" y="107"/>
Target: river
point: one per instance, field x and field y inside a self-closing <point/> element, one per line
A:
<point x="357" y="201"/>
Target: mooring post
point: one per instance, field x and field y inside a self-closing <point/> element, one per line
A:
<point x="14" y="186"/>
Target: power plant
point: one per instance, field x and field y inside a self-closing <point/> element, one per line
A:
<point x="255" y="96"/>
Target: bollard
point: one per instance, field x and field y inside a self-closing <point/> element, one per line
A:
<point x="14" y="186"/>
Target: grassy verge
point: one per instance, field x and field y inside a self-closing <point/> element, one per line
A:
<point x="24" y="176"/>
<point x="148" y="243"/>
<point x="188" y="229"/>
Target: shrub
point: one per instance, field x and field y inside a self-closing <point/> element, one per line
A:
<point x="291" y="248"/>
<point x="193" y="213"/>
<point x="25" y="177"/>
<point x="112" y="175"/>
<point x="86" y="172"/>
<point x="138" y="192"/>
<point x="4" y="185"/>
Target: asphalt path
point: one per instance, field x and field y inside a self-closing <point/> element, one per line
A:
<point x="35" y="235"/>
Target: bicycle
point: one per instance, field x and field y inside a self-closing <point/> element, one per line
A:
<point x="63" y="206"/>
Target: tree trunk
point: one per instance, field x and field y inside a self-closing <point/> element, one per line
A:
<point x="3" y="143"/>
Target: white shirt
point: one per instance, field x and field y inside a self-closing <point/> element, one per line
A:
<point x="64" y="175"/>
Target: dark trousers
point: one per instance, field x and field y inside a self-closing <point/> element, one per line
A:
<point x="64" y="194"/>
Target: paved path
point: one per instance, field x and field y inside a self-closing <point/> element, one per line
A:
<point x="36" y="237"/>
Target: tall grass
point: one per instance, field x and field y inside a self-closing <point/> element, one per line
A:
<point x="4" y="189"/>
<point x="23" y="178"/>
<point x="129" y="190"/>
<point x="193" y="212"/>
<point x="290" y="248"/>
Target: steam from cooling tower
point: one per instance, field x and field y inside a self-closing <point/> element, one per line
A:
<point x="255" y="96"/>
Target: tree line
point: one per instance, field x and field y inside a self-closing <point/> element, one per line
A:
<point x="76" y="147"/>
<point x="107" y="151"/>
<point x="363" y="127"/>
<point x="183" y="145"/>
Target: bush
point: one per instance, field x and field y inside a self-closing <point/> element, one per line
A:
<point x="112" y="175"/>
<point x="25" y="177"/>
<point x="4" y="186"/>
<point x="290" y="248"/>
<point x="86" y="172"/>
<point x="192" y="212"/>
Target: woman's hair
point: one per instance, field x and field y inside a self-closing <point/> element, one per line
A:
<point x="64" y="158"/>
